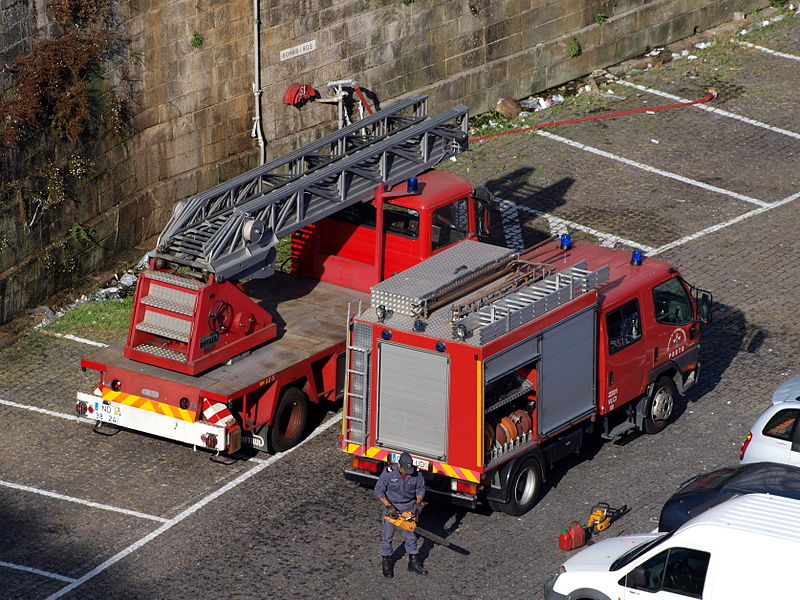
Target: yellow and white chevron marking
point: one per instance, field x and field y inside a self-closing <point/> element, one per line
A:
<point x="151" y="405"/>
<point x="435" y="467"/>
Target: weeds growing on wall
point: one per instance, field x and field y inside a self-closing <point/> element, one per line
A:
<point x="57" y="86"/>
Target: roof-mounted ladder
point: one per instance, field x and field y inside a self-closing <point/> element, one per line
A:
<point x="231" y="229"/>
<point x="511" y="311"/>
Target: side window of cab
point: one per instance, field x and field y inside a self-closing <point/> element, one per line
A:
<point x="624" y="326"/>
<point x="450" y="224"/>
<point x="680" y="571"/>
<point x="673" y="303"/>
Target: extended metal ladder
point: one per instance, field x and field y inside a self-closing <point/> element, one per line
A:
<point x="231" y="229"/>
<point x="356" y="381"/>
<point x="528" y="303"/>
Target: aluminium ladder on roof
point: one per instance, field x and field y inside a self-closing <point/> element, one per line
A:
<point x="231" y="229"/>
<point x="525" y="304"/>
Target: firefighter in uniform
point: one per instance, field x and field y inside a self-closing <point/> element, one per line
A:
<point x="400" y="487"/>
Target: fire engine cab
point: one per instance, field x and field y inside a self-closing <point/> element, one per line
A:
<point x="489" y="365"/>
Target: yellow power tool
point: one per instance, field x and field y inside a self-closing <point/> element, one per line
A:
<point x="603" y="515"/>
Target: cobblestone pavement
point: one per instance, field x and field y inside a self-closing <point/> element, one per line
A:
<point x="129" y="516"/>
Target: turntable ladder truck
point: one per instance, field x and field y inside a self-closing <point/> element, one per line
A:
<point x="222" y="350"/>
<point x="489" y="366"/>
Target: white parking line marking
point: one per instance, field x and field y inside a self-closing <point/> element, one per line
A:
<point x="75" y="338"/>
<point x="559" y="225"/>
<point x="44" y="411"/>
<point x="717" y="227"/>
<point x="638" y="165"/>
<point x="89" y="503"/>
<point x="712" y="109"/>
<point x="38" y="572"/>
<point x="189" y="512"/>
<point x="769" y="51"/>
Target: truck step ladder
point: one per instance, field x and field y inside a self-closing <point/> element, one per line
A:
<point x="356" y="386"/>
<point x="231" y="229"/>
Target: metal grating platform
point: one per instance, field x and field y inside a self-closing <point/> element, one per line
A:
<point x="412" y="291"/>
<point x="185" y="282"/>
<point x="162" y="352"/>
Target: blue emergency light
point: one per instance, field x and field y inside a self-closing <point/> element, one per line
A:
<point x="413" y="185"/>
<point x="636" y="258"/>
<point x="566" y="241"/>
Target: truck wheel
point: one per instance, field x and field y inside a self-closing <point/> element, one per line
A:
<point x="290" y="420"/>
<point x="660" y="405"/>
<point x="525" y="485"/>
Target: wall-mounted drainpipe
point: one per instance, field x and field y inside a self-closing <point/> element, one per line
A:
<point x="257" y="131"/>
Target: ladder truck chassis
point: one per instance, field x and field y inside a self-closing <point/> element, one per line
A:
<point x="222" y="350"/>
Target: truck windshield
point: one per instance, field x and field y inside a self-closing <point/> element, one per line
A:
<point x="636" y="552"/>
<point x="673" y="304"/>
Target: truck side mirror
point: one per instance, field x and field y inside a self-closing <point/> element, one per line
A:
<point x="704" y="308"/>
<point x="483" y="198"/>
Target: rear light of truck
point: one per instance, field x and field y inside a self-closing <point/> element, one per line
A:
<point x="745" y="444"/>
<point x="81" y="407"/>
<point x="209" y="439"/>
<point x="365" y="465"/>
<point x="464" y="487"/>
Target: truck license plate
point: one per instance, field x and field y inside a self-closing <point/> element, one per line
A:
<point x="418" y="462"/>
<point x="107" y="413"/>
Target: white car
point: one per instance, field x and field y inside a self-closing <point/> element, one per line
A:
<point x="775" y="436"/>
<point x="743" y="549"/>
<point x="788" y="390"/>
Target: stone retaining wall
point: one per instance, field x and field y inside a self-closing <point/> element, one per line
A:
<point x="193" y="102"/>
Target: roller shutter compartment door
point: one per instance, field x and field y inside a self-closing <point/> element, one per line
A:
<point x="413" y="390"/>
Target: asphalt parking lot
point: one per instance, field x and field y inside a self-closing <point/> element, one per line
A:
<point x="713" y="188"/>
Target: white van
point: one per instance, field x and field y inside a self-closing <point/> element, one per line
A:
<point x="744" y="548"/>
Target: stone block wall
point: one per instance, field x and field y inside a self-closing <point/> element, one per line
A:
<point x="193" y="104"/>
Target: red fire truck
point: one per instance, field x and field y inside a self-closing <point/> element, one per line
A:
<point x="488" y="365"/>
<point x="223" y="351"/>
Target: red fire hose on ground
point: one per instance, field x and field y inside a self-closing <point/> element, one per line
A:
<point x="712" y="93"/>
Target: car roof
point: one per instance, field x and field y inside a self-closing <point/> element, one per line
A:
<point x="761" y="515"/>
<point x="788" y="390"/>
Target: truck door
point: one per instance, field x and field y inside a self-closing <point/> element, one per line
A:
<point x="673" y="316"/>
<point x="626" y="356"/>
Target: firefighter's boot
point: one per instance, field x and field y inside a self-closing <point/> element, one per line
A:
<point x="386" y="565"/>
<point x="415" y="565"/>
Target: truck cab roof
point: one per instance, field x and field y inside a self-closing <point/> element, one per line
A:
<point x="435" y="189"/>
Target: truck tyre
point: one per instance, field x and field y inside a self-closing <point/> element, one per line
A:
<point x="289" y="423"/>
<point x="525" y="485"/>
<point x="660" y="405"/>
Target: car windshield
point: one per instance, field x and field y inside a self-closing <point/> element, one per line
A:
<point x="715" y="479"/>
<point x="770" y="478"/>
<point x="637" y="551"/>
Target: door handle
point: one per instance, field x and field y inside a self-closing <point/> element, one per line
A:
<point x="611" y="378"/>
